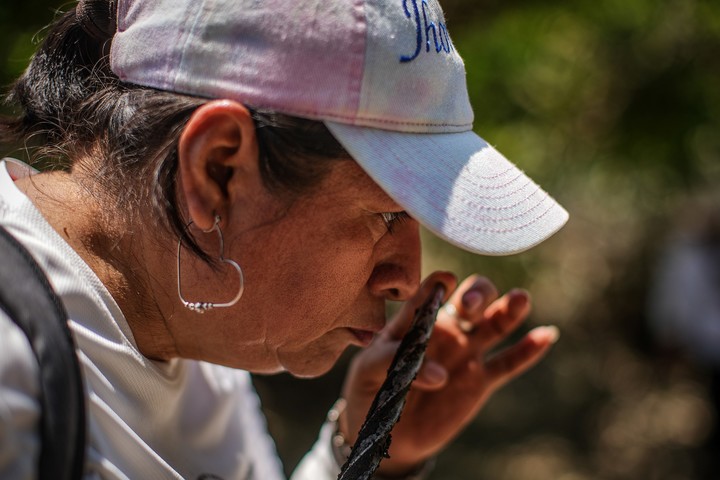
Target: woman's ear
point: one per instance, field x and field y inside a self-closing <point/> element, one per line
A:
<point x="216" y="146"/>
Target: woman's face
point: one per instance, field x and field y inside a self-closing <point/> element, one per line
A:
<point x="317" y="273"/>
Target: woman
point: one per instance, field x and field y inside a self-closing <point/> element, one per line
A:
<point x="241" y="191"/>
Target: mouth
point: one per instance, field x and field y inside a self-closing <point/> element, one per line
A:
<point x="364" y="337"/>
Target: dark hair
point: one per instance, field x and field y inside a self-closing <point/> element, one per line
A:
<point x="71" y="105"/>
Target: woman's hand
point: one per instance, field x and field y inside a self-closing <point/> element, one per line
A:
<point x="456" y="378"/>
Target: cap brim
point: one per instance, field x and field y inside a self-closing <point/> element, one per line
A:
<point x="457" y="186"/>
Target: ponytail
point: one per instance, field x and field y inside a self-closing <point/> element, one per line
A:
<point x="68" y="68"/>
<point x="72" y="106"/>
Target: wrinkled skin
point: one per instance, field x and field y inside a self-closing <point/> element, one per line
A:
<point x="318" y="271"/>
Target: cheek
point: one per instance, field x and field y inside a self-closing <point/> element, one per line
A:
<point x="315" y="289"/>
<point x="305" y="275"/>
<point x="312" y="300"/>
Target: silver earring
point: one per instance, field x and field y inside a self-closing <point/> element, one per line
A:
<point x="202" y="307"/>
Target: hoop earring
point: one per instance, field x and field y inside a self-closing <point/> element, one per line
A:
<point x="202" y="307"/>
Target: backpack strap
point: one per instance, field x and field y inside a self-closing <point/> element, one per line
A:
<point x="29" y="300"/>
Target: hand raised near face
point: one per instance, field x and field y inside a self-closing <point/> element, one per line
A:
<point x="458" y="375"/>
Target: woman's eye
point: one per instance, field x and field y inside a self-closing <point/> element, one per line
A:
<point x="393" y="219"/>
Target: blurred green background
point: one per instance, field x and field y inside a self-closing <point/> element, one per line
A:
<point x="614" y="107"/>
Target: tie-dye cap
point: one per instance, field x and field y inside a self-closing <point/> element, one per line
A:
<point x="383" y="75"/>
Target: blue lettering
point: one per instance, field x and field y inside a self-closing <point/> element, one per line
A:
<point x="406" y="58"/>
<point x="445" y="39"/>
<point x="428" y="27"/>
<point x="440" y="34"/>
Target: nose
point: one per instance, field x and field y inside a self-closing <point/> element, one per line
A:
<point x="396" y="275"/>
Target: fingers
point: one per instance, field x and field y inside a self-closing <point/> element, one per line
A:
<point x="475" y="310"/>
<point x="374" y="361"/>
<point x="432" y="376"/>
<point x="402" y="321"/>
<point x="473" y="296"/>
<point x="500" y="319"/>
<point x="515" y="360"/>
<point x="482" y="320"/>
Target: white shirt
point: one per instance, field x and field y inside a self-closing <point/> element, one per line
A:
<point x="146" y="420"/>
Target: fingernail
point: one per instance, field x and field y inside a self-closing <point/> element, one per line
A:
<point x="517" y="304"/>
<point x="472" y="300"/>
<point x="434" y="373"/>
<point x="551" y="332"/>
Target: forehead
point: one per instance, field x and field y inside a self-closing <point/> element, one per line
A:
<point x="348" y="180"/>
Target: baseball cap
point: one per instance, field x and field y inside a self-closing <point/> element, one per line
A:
<point x="383" y="75"/>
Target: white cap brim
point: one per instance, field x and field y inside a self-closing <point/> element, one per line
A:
<point x="457" y="186"/>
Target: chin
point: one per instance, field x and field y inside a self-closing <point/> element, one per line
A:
<point x="311" y="364"/>
<point x="310" y="371"/>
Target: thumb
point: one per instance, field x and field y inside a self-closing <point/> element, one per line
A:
<point x="370" y="365"/>
<point x="399" y="325"/>
<point x="432" y="376"/>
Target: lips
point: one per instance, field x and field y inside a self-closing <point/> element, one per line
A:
<point x="364" y="337"/>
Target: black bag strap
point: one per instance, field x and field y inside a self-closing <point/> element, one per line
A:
<point x="27" y="298"/>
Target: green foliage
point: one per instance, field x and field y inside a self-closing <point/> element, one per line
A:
<point x="614" y="108"/>
<point x="20" y="24"/>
